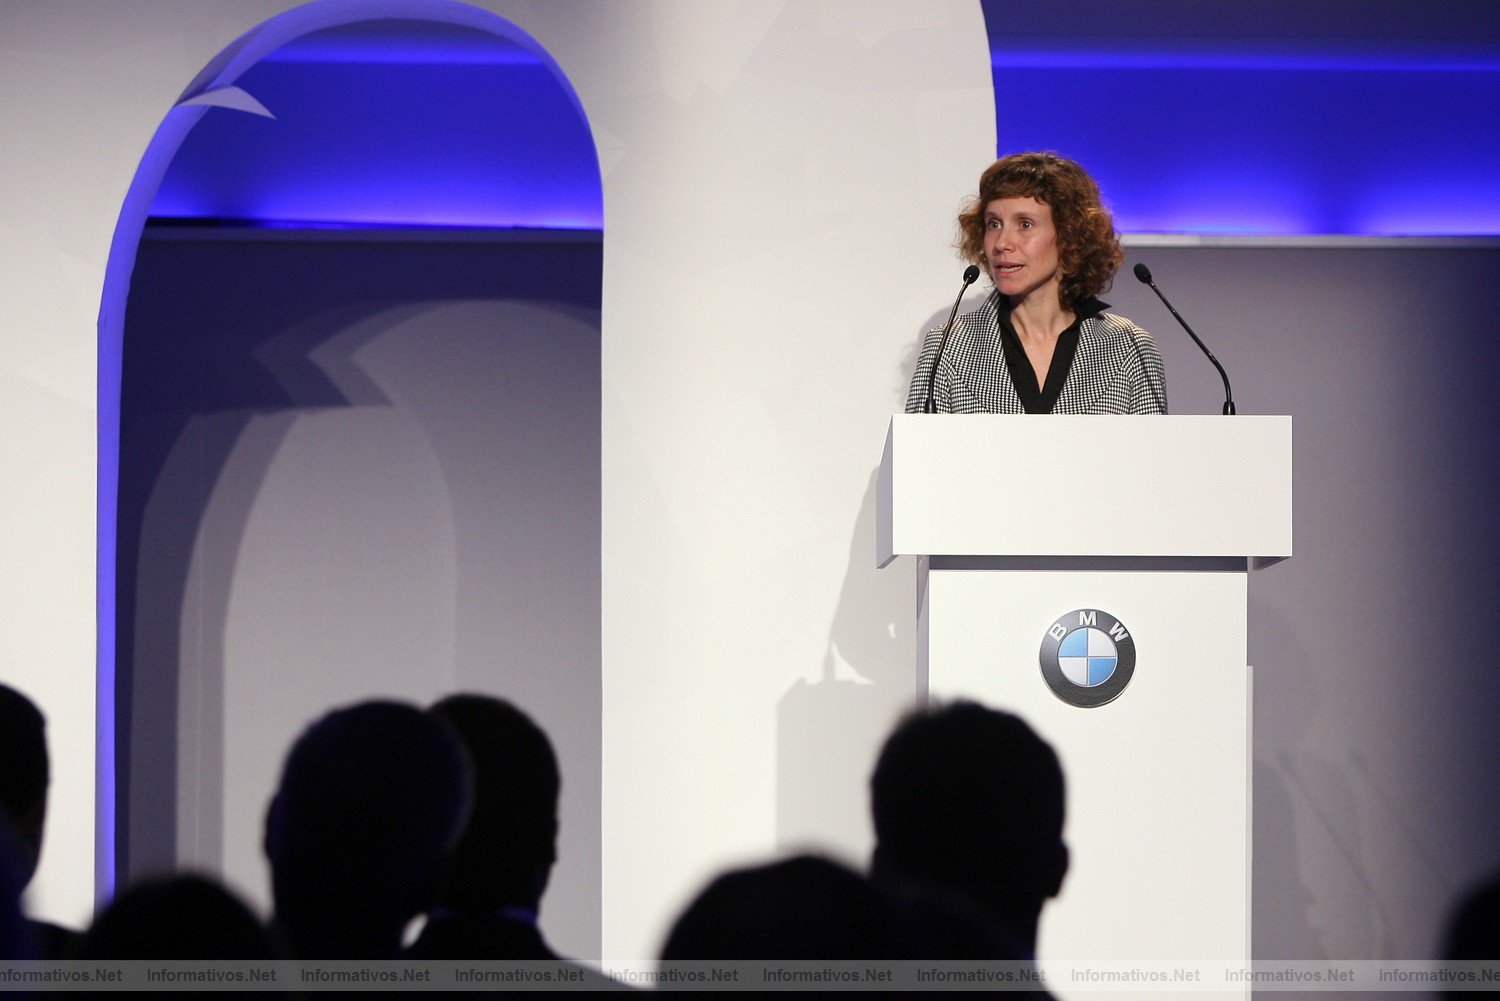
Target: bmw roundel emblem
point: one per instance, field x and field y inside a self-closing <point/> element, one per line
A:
<point x="1088" y="657"/>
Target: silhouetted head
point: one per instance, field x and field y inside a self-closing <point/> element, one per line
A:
<point x="179" y="917"/>
<point x="362" y="828"/>
<point x="805" y="908"/>
<point x="24" y="774"/>
<point x="971" y="799"/>
<point x="507" y="850"/>
<point x="1474" y="927"/>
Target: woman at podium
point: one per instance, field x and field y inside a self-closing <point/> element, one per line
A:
<point x="1042" y="343"/>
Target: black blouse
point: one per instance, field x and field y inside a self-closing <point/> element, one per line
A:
<point x="1041" y="399"/>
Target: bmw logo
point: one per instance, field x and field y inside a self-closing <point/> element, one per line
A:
<point x="1088" y="657"/>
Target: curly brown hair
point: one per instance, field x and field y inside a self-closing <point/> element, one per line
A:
<point x="1088" y="247"/>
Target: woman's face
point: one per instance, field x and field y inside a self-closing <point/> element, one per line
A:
<point x="1020" y="247"/>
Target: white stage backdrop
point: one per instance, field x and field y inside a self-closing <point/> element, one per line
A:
<point x="779" y="184"/>
<point x="779" y="180"/>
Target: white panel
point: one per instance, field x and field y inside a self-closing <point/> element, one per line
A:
<point x="1157" y="780"/>
<point x="1073" y="485"/>
<point x="777" y="237"/>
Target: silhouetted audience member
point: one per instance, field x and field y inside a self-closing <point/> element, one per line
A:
<point x="1474" y="928"/>
<point x="178" y="917"/>
<point x="808" y="908"/>
<point x="489" y="907"/>
<point x="16" y="940"/>
<point x="361" y="831"/>
<point x="24" y="775"/>
<point x="970" y="800"/>
<point x="803" y="908"/>
<point x="936" y="924"/>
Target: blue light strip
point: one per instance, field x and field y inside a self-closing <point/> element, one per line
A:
<point x="433" y="54"/>
<point x="1019" y="57"/>
<point x="380" y="226"/>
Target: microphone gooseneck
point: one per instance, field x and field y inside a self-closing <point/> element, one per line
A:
<point x="971" y="275"/>
<point x="1143" y="274"/>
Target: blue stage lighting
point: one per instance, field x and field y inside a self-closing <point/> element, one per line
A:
<point x="1240" y="130"/>
<point x="392" y="125"/>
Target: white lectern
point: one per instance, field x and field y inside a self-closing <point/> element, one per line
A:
<point x="1090" y="574"/>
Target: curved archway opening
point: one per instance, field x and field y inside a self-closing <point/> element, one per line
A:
<point x="349" y="431"/>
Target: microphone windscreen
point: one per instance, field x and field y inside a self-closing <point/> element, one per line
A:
<point x="971" y="274"/>
<point x="1143" y="273"/>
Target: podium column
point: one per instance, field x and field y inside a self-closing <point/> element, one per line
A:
<point x="1113" y="619"/>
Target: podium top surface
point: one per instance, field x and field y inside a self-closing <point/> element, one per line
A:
<point x="1030" y="485"/>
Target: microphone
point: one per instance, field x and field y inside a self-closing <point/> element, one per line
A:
<point x="971" y="275"/>
<point x="1144" y="274"/>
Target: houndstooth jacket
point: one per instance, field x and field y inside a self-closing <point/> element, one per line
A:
<point x="1107" y="375"/>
